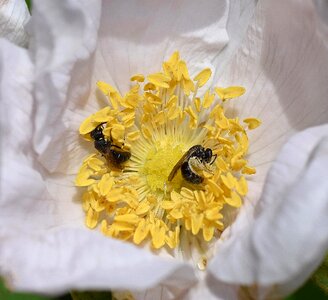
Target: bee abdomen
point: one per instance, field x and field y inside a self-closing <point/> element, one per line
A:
<point x="120" y="156"/>
<point x="189" y="175"/>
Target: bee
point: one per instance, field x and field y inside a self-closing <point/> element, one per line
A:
<point x="196" y="159"/>
<point x="114" y="154"/>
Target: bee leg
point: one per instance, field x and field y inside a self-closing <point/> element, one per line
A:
<point x="118" y="147"/>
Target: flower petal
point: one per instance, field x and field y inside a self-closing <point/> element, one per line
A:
<point x="240" y="15"/>
<point x="64" y="38"/>
<point x="56" y="123"/>
<point x="14" y="15"/>
<point x="23" y="192"/>
<point x="36" y="254"/>
<point x="136" y="37"/>
<point x="81" y="259"/>
<point x="285" y="74"/>
<point x="210" y="289"/>
<point x="55" y="139"/>
<point x="322" y="10"/>
<point x="289" y="236"/>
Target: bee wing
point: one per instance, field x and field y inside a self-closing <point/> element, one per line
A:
<point x="178" y="165"/>
<point x="213" y="159"/>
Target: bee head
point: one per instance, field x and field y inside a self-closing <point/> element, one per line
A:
<point x="97" y="133"/>
<point x="207" y="155"/>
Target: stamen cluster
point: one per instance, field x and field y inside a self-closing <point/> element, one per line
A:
<point x="158" y="121"/>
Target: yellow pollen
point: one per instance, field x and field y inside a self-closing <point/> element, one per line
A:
<point x="167" y="159"/>
<point x="159" y="163"/>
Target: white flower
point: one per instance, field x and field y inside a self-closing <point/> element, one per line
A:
<point x="280" y="234"/>
<point x="14" y="16"/>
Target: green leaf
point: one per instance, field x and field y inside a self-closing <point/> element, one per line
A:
<point x="5" y="294"/>
<point x="308" y="291"/>
<point x="29" y="4"/>
<point x="316" y="287"/>
<point x="320" y="277"/>
<point x="91" y="295"/>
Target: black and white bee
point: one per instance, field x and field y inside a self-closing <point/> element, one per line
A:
<point x="196" y="159"/>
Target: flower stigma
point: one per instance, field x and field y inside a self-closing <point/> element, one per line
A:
<point x="165" y="161"/>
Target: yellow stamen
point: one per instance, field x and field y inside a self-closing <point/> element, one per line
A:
<point x="159" y="79"/>
<point x="146" y="135"/>
<point x="230" y="92"/>
<point x="252" y="123"/>
<point x="92" y="218"/>
<point x="138" y="77"/>
<point x="203" y="76"/>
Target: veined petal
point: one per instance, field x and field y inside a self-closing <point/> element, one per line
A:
<point x="287" y="101"/>
<point x="154" y="31"/>
<point x="57" y="143"/>
<point x="285" y="74"/>
<point x="240" y="16"/>
<point x="14" y="15"/>
<point x="322" y="11"/>
<point x="64" y="39"/>
<point x="288" y="236"/>
<point x="24" y="199"/>
<point x="67" y="258"/>
<point x="210" y="289"/>
<point x="81" y="259"/>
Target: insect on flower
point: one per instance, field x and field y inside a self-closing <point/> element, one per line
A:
<point x="193" y="162"/>
<point x="113" y="153"/>
<point x="221" y="226"/>
<point x="181" y="158"/>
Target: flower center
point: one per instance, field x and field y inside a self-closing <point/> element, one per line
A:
<point x="159" y="163"/>
<point x="165" y="161"/>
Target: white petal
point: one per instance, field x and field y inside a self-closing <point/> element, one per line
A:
<point x="14" y="15"/>
<point x="283" y="63"/>
<point x="23" y="192"/>
<point x="289" y="236"/>
<point x="240" y="15"/>
<point x="64" y="38"/>
<point x="157" y="31"/>
<point x="136" y="37"/>
<point x="67" y="201"/>
<point x="206" y="288"/>
<point x="322" y="10"/>
<point x="200" y="41"/>
<point x="38" y="252"/>
<point x="81" y="259"/>
<point x="30" y="197"/>
<point x="210" y="289"/>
